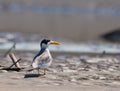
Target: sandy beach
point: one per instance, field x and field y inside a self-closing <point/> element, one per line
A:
<point x="67" y="73"/>
<point x="84" y="62"/>
<point x="62" y="88"/>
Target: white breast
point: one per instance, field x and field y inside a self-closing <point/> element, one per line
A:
<point x="43" y="61"/>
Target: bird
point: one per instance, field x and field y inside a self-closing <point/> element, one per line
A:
<point x="43" y="59"/>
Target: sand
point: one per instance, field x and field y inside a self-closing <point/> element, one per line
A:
<point x="67" y="73"/>
<point x="62" y="88"/>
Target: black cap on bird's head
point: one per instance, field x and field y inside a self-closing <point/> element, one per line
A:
<point x="47" y="41"/>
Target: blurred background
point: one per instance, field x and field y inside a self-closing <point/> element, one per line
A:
<point x="74" y="20"/>
<point x="69" y="19"/>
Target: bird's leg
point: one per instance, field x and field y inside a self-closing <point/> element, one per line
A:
<point x="44" y="72"/>
<point x="39" y="71"/>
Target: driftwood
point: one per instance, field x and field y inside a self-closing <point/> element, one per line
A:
<point x="2" y="66"/>
<point x="15" y="63"/>
<point x="13" y="47"/>
<point x="14" y="60"/>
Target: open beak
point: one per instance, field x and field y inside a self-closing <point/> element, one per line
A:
<point x="55" y="42"/>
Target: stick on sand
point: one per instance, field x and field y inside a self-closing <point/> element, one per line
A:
<point x="14" y="60"/>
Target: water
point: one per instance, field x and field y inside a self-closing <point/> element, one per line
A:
<point x="27" y="42"/>
<point x="19" y="8"/>
<point x="67" y="47"/>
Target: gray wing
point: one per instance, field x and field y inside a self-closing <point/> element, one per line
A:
<point x="43" y="58"/>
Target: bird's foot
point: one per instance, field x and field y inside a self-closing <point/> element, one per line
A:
<point x="44" y="72"/>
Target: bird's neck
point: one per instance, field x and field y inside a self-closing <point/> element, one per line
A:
<point x="42" y="50"/>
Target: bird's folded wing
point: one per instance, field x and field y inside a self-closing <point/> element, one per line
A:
<point x="43" y="58"/>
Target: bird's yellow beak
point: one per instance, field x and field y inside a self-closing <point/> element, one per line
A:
<point x="55" y="43"/>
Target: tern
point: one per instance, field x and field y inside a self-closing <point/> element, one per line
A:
<point x="43" y="59"/>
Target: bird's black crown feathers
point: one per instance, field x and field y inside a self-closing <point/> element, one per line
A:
<point x="45" y="41"/>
